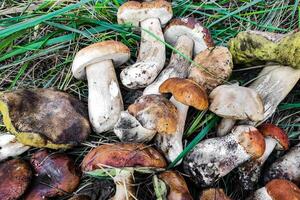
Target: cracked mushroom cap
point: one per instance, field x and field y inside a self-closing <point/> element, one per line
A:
<point x="134" y="12"/>
<point x="35" y="117"/>
<point x="191" y="28"/>
<point x="56" y="175"/>
<point x="186" y="91"/>
<point x="100" y="51"/>
<point x="177" y="187"/>
<point x="236" y="102"/>
<point x="15" y="176"/>
<point x="270" y="130"/>
<point x="213" y="194"/>
<point x="155" y="112"/>
<point x="123" y="155"/>
<point x="214" y="67"/>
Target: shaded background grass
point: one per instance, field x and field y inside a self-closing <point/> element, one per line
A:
<point x="38" y="40"/>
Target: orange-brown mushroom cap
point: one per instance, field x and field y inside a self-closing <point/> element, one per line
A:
<point x="123" y="155"/>
<point x="213" y="194"/>
<point x="277" y="133"/>
<point x="15" y="176"/>
<point x="280" y="189"/>
<point x="178" y="189"/>
<point x="186" y="91"/>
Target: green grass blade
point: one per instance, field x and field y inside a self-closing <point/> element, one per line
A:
<point x="20" y="73"/>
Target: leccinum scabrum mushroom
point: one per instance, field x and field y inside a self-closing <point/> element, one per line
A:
<point x="9" y="147"/>
<point x="96" y="63"/>
<point x="152" y="54"/>
<point x="213" y="194"/>
<point x="277" y="189"/>
<point x="35" y="117"/>
<point x="249" y="172"/>
<point x="286" y="167"/>
<point x="123" y="158"/>
<point x="213" y="158"/>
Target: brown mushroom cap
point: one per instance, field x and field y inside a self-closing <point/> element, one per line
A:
<point x="213" y="194"/>
<point x="215" y="67"/>
<point x="280" y="189"/>
<point x="277" y="133"/>
<point x="186" y="91"/>
<point x="123" y="155"/>
<point x="155" y="112"/>
<point x="80" y="197"/>
<point x="178" y="189"/>
<point x="56" y="175"/>
<point x="15" y="177"/>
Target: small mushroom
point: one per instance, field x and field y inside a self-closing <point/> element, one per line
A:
<point x="286" y="167"/>
<point x="15" y="176"/>
<point x="35" y="117"/>
<point x="185" y="93"/>
<point x="249" y="172"/>
<point x="213" y="194"/>
<point x="277" y="189"/>
<point x="124" y="158"/>
<point x="80" y="197"/>
<point x="187" y="36"/>
<point x="9" y="147"/>
<point x="96" y="63"/>
<point x="213" y="158"/>
<point x="152" y="54"/>
<point x="55" y="174"/>
<point x="150" y="114"/>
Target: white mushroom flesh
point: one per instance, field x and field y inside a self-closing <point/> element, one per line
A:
<point x="9" y="147"/>
<point x="124" y="185"/>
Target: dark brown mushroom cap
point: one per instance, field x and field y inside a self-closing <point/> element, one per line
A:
<point x="178" y="189"/>
<point x="277" y="133"/>
<point x="56" y="175"/>
<point x="123" y="155"/>
<point x="280" y="189"/>
<point x="213" y="194"/>
<point x="45" y="118"/>
<point x="155" y="112"/>
<point x="186" y="91"/>
<point x="80" y="197"/>
<point x="15" y="176"/>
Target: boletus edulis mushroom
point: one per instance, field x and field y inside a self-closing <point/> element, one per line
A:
<point x="15" y="176"/>
<point x="55" y="175"/>
<point x="97" y="64"/>
<point x="213" y="194"/>
<point x="250" y="172"/>
<point x="124" y="159"/>
<point x="150" y="16"/>
<point x="9" y="147"/>
<point x="213" y="158"/>
<point x="277" y="189"/>
<point x="35" y="117"/>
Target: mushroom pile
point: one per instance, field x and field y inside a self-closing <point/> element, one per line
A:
<point x="149" y="133"/>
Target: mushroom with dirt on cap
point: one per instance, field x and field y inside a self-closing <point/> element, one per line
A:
<point x="122" y="160"/>
<point x="214" y="158"/>
<point x="152" y="54"/>
<point x="96" y="63"/>
<point x="213" y="194"/>
<point x="249" y="172"/>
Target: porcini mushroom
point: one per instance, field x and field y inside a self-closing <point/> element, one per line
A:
<point x="249" y="172"/>
<point x="286" y="167"/>
<point x="96" y="63"/>
<point x="185" y="93"/>
<point x="213" y="194"/>
<point x="15" y="176"/>
<point x="35" y="117"/>
<point x="124" y="159"/>
<point x="187" y="36"/>
<point x="213" y="158"/>
<point x="150" y="114"/>
<point x="277" y="189"/>
<point x="55" y="175"/>
<point x="152" y="54"/>
<point x="9" y="147"/>
<point x="176" y="186"/>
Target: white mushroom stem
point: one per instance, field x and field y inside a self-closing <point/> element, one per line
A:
<point x="105" y="100"/>
<point x="124" y="185"/>
<point x="151" y="58"/>
<point x="178" y="66"/>
<point x="260" y="194"/>
<point x="9" y="147"/>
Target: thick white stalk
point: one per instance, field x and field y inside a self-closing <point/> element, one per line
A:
<point x="178" y="66"/>
<point x="151" y="58"/>
<point x="124" y="185"/>
<point x="9" y="147"/>
<point x="105" y="100"/>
